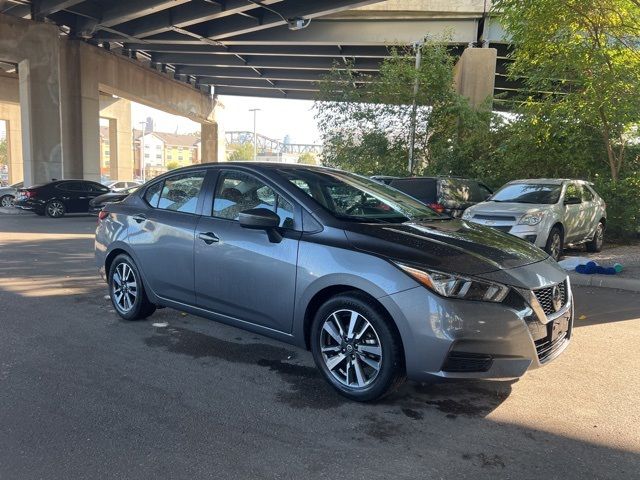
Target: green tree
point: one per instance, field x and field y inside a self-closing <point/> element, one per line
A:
<point x="587" y="52"/>
<point x="307" y="158"/>
<point x="364" y="119"/>
<point x="4" y="158"/>
<point x="172" y="165"/>
<point x="239" y="151"/>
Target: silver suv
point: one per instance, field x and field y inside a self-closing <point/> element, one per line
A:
<point x="549" y="213"/>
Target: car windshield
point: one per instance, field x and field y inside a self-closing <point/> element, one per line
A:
<point x="540" y="193"/>
<point x="352" y="197"/>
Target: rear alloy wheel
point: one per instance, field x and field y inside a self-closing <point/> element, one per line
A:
<point x="6" y="201"/>
<point x="55" y="209"/>
<point x="356" y="349"/>
<point x="555" y="243"/>
<point x="595" y="245"/>
<point x="127" y="291"/>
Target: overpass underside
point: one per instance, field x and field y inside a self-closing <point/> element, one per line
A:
<point x="174" y="54"/>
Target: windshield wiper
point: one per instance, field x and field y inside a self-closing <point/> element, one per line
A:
<point x="353" y="218"/>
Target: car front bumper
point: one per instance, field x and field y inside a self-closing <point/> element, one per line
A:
<point x="449" y="338"/>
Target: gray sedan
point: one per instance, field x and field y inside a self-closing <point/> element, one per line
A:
<point x="8" y="194"/>
<point x="377" y="285"/>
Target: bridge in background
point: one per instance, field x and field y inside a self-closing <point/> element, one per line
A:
<point x="270" y="146"/>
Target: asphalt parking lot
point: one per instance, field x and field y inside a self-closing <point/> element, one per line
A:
<point x="86" y="395"/>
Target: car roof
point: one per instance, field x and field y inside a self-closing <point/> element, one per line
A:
<point x="549" y="181"/>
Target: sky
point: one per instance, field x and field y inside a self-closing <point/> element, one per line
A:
<point x="276" y="118"/>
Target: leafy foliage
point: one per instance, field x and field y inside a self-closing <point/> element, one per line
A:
<point x="4" y="158"/>
<point x="364" y="120"/>
<point x="172" y="165"/>
<point x="587" y="51"/>
<point x="239" y="152"/>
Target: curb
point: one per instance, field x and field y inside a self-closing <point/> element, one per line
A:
<point x="605" y="281"/>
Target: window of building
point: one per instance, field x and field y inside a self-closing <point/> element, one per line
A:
<point x="159" y="156"/>
<point x="146" y="155"/>
<point x="179" y="157"/>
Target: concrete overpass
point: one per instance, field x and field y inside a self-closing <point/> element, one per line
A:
<point x="76" y="58"/>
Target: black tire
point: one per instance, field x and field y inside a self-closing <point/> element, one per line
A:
<point x="55" y="209"/>
<point x="595" y="244"/>
<point x="6" y="201"/>
<point x="391" y="372"/>
<point x="552" y="248"/>
<point x="140" y="306"/>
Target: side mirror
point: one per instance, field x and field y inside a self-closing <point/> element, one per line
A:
<point x="572" y="201"/>
<point x="262" y="219"/>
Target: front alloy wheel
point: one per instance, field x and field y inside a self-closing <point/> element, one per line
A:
<point x="356" y="347"/>
<point x="351" y="348"/>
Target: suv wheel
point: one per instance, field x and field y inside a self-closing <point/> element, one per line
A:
<point x="595" y="245"/>
<point x="127" y="291"/>
<point x="356" y="349"/>
<point x="55" y="209"/>
<point x="555" y="243"/>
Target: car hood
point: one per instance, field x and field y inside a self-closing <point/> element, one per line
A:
<point x="454" y="246"/>
<point x="507" y="208"/>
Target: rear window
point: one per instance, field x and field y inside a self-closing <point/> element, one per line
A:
<point x="424" y="189"/>
<point x="463" y="190"/>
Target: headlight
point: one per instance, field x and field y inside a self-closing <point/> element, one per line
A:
<point x="455" y="286"/>
<point x="531" y="218"/>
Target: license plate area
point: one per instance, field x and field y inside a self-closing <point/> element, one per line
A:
<point x="559" y="327"/>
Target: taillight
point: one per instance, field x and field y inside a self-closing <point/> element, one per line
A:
<point x="30" y="193"/>
<point x="102" y="215"/>
<point x="438" y="207"/>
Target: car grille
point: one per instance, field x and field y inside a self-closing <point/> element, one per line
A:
<point x="545" y="297"/>
<point x="498" y="218"/>
<point x="546" y="348"/>
<point x="502" y="228"/>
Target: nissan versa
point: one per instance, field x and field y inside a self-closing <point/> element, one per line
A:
<point x="377" y="285"/>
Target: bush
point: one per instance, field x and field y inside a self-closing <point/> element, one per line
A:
<point x="623" y="205"/>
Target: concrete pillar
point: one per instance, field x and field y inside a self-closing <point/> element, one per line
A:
<point x="10" y="113"/>
<point x="118" y="111"/>
<point x="475" y="75"/>
<point x="208" y="142"/>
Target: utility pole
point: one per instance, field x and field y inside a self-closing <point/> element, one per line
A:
<point x="255" y="138"/>
<point x="414" y="106"/>
<point x="143" y="173"/>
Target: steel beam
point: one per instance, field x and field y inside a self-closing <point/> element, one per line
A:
<point x="272" y="74"/>
<point x="359" y="32"/>
<point x="262" y="61"/>
<point x="43" y="8"/>
<point x="119" y="12"/>
<point x="239" y="25"/>
<point x="359" y="51"/>
<point x="186" y="15"/>
<point x="263" y="92"/>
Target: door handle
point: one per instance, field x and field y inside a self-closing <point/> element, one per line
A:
<point x="140" y="218"/>
<point x="208" y="237"/>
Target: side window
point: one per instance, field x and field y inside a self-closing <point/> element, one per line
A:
<point x="180" y="192"/>
<point x="71" y="186"/>
<point x="95" y="187"/>
<point x="587" y="194"/>
<point x="573" y="191"/>
<point x="238" y="191"/>
<point x="152" y="195"/>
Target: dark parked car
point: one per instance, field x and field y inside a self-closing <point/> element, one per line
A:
<point x="96" y="204"/>
<point x="59" y="197"/>
<point x="375" y="283"/>
<point x="450" y="195"/>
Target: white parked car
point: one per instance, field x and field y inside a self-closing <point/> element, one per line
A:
<point x="8" y="194"/>
<point x="550" y="213"/>
<point x="119" y="185"/>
